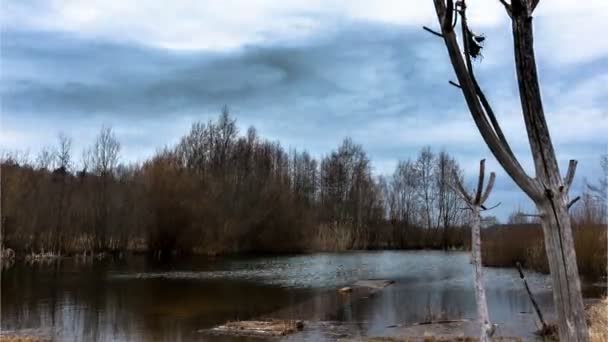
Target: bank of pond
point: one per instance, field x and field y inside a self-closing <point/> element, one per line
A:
<point x="502" y="246"/>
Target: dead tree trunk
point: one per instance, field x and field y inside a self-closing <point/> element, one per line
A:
<point x="476" y="204"/>
<point x="548" y="190"/>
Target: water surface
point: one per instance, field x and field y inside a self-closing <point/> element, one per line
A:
<point x="140" y="299"/>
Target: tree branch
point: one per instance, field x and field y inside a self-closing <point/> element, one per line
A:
<point x="447" y="17"/>
<point x="432" y="31"/>
<point x="489" y="187"/>
<point x="511" y="166"/>
<point x="533" y="5"/>
<point x="573" y="201"/>
<point x="455" y="84"/>
<point x="492" y="207"/>
<point x="490" y="113"/>
<point x="482" y="97"/>
<point x="482" y="173"/>
<point x="465" y="38"/>
<point x="570" y="174"/>
<point x="507" y="6"/>
<point x="460" y="190"/>
<point x="528" y="215"/>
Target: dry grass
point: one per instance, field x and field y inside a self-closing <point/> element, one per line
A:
<point x="42" y="257"/>
<point x="440" y="339"/>
<point x="597" y="316"/>
<point x="597" y="321"/>
<point x="548" y="332"/>
<point x="591" y="244"/>
<point x="333" y="238"/>
<point x="22" y="338"/>
<point x="505" y="245"/>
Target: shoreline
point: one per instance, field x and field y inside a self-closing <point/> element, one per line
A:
<point x="49" y="257"/>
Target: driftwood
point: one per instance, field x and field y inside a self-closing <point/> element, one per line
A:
<point x="476" y="204"/>
<point x="548" y="190"/>
<point x="260" y="328"/>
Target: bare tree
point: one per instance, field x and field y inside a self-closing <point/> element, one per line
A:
<point x="548" y="189"/>
<point x="404" y="185"/>
<point x="63" y="154"/>
<point x="104" y="154"/>
<point x="448" y="203"/>
<point x="103" y="158"/>
<point x="476" y="205"/>
<point x="424" y="167"/>
<point x="44" y="159"/>
<point x="63" y="164"/>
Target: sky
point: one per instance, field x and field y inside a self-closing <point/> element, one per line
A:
<point x="305" y="73"/>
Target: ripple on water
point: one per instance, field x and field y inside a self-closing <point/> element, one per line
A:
<point x="414" y="269"/>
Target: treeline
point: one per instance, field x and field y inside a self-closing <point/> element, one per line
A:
<point x="218" y="191"/>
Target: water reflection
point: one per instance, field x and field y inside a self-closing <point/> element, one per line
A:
<point x="139" y="299"/>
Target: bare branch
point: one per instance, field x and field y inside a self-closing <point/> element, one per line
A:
<point x="490" y="112"/>
<point x="533" y="5"/>
<point x="527" y="184"/>
<point x="489" y="187"/>
<point x="482" y="174"/>
<point x="432" y="31"/>
<point x="447" y="18"/>
<point x="460" y="190"/>
<point x="455" y="84"/>
<point x="507" y="6"/>
<point x="492" y="207"/>
<point x="573" y="201"/>
<point x="570" y="174"/>
<point x="482" y="97"/>
<point x="465" y="38"/>
<point x="529" y="215"/>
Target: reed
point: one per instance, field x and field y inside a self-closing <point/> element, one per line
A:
<point x="505" y="245"/>
<point x="597" y="317"/>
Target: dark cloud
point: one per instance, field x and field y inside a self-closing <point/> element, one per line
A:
<point x="58" y="73"/>
<point x="377" y="83"/>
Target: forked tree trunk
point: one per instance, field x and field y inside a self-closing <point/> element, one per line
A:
<point x="476" y="204"/>
<point x="547" y="189"/>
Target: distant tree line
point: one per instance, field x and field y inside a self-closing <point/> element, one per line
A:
<point x="217" y="191"/>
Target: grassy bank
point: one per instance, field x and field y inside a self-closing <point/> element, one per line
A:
<point x="504" y="245"/>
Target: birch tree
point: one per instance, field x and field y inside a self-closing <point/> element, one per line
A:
<point x="548" y="190"/>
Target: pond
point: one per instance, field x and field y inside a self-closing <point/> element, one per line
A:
<point x="138" y="299"/>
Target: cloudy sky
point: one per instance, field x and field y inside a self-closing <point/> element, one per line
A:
<point x="304" y="72"/>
